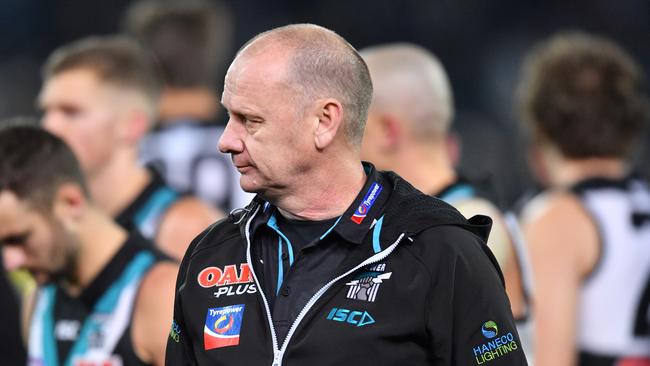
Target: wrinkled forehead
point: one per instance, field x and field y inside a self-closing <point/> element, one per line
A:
<point x="264" y="65"/>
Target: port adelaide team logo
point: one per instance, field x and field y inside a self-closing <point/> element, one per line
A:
<point x="365" y="285"/>
<point x="228" y="281"/>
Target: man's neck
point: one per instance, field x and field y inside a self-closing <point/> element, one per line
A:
<point x="568" y="172"/>
<point x="427" y="169"/>
<point x="100" y="239"/>
<point x="199" y="104"/>
<point x="329" y="193"/>
<point x="120" y="182"/>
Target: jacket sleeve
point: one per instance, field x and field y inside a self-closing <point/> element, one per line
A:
<point x="469" y="319"/>
<point x="179" y="350"/>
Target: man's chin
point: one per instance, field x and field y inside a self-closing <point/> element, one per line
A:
<point x="248" y="184"/>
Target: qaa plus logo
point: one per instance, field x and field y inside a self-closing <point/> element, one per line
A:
<point x="227" y="280"/>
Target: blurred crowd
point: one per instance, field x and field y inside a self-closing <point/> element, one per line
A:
<point x="534" y="114"/>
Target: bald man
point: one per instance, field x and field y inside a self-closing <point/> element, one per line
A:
<point x="334" y="262"/>
<point x="408" y="132"/>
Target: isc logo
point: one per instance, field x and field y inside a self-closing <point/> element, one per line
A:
<point x="354" y="317"/>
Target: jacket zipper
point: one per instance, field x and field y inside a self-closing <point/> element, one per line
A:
<point x="278" y="354"/>
<point x="259" y="288"/>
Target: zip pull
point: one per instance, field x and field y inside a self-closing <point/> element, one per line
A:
<point x="277" y="358"/>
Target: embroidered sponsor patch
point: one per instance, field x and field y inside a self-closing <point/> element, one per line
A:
<point x="365" y="285"/>
<point x="366" y="203"/>
<point x="175" y="332"/>
<point x="228" y="281"/>
<point x="353" y="317"/>
<point x="497" y="346"/>
<point x="222" y="326"/>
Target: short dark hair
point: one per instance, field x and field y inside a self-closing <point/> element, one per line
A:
<point x="190" y="39"/>
<point x="584" y="95"/>
<point x="34" y="164"/>
<point x="114" y="59"/>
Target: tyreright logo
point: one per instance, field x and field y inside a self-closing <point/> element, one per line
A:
<point x="366" y="203"/>
<point x="222" y="326"/>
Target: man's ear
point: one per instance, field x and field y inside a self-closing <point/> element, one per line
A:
<point x="329" y="114"/>
<point x="391" y="131"/>
<point x="134" y="126"/>
<point x="69" y="203"/>
<point x="453" y="145"/>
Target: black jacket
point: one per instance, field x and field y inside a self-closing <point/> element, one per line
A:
<point x="441" y="296"/>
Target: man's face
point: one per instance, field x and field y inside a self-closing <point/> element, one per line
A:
<point x="269" y="133"/>
<point x="34" y="241"/>
<point x="82" y="110"/>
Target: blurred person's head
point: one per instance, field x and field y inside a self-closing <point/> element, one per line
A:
<point x="43" y="198"/>
<point x="100" y="95"/>
<point x="297" y="97"/>
<point x="582" y="98"/>
<point x="190" y="39"/>
<point x="411" y="111"/>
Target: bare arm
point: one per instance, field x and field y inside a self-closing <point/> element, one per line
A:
<point x="152" y="313"/>
<point x="499" y="240"/>
<point x="563" y="243"/>
<point x="186" y="219"/>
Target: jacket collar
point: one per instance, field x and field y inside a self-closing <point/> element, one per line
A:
<point x="385" y="197"/>
<point x="357" y="219"/>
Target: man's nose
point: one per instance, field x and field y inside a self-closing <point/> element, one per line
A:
<point x="53" y="123"/>
<point x="231" y="141"/>
<point x="13" y="258"/>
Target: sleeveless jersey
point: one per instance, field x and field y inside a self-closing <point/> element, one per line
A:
<point x="145" y="213"/>
<point x="458" y="190"/>
<point x="94" y="328"/>
<point x="614" y="310"/>
<point x="185" y="152"/>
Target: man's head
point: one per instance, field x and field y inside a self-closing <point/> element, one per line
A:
<point x="297" y="97"/>
<point x="412" y="103"/>
<point x="100" y="95"/>
<point x="582" y="96"/>
<point x="42" y="200"/>
<point x="190" y="39"/>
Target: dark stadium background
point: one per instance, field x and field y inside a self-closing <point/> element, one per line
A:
<point x="480" y="42"/>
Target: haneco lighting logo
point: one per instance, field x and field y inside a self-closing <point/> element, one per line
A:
<point x="497" y="347"/>
<point x="490" y="329"/>
<point x="367" y="203"/>
<point x="228" y="280"/>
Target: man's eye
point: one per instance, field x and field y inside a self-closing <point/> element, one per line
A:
<point x="15" y="240"/>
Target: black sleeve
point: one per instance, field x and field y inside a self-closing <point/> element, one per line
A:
<point x="179" y="350"/>
<point x="469" y="320"/>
